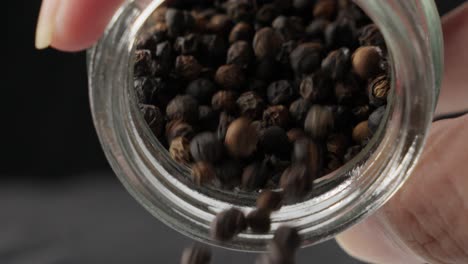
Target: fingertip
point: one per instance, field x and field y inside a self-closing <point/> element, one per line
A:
<point x="80" y="23"/>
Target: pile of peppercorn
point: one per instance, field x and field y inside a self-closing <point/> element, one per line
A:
<point x="261" y="94"/>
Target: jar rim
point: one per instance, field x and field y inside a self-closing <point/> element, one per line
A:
<point x="365" y="184"/>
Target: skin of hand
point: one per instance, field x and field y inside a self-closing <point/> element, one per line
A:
<point x="427" y="220"/>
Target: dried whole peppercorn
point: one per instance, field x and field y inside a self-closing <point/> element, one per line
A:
<point x="224" y="101"/>
<point x="352" y="152"/>
<point x="178" y="128"/>
<point x="376" y="118"/>
<point x="306" y="58"/>
<point x="337" y="64"/>
<point x="187" y="67"/>
<point x="346" y="90"/>
<point x="378" y="90"/>
<point x="155" y="91"/>
<point x="228" y="224"/>
<point x="183" y="107"/>
<point x="287" y="239"/>
<point x="220" y="24"/>
<point x="241" y="138"/>
<point x="343" y="117"/>
<point x="289" y="27"/>
<point x="259" y="221"/>
<point x="319" y="122"/>
<point x="274" y="140"/>
<point x="316" y="29"/>
<point x="229" y="173"/>
<point x="180" y="150"/>
<point x="201" y="89"/>
<point x="285" y="52"/>
<point x="361" y="112"/>
<point x="240" y="10"/>
<point x="240" y="53"/>
<point x="250" y="105"/>
<point x="187" y="45"/>
<point x="325" y="9"/>
<point x="206" y="147"/>
<point x="277" y="115"/>
<point x="367" y="61"/>
<point x="308" y="153"/>
<point x="361" y="132"/>
<point x="267" y="43"/>
<point x="164" y="57"/>
<point x="241" y="31"/>
<point x="370" y="36"/>
<point x="213" y="50"/>
<point x="144" y="63"/>
<point x="266" y="14"/>
<point x="267" y="69"/>
<point x="230" y="77"/>
<point x="153" y="118"/>
<point x="159" y="14"/>
<point x="337" y="144"/>
<point x="208" y="118"/>
<point x="302" y="4"/>
<point x="299" y="109"/>
<point x="341" y="33"/>
<point x="296" y="182"/>
<point x="255" y="176"/>
<point x="280" y="92"/>
<point x="295" y="134"/>
<point x="203" y="173"/>
<point x="316" y="87"/>
<point x="175" y="20"/>
<point x="269" y="200"/>
<point x="224" y="121"/>
<point x="156" y="34"/>
<point x="196" y="254"/>
<point x="333" y="163"/>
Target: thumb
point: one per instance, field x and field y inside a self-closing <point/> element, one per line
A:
<point x="73" y="25"/>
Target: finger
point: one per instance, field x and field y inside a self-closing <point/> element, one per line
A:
<point x="73" y="25"/>
<point x="426" y="220"/>
<point x="454" y="94"/>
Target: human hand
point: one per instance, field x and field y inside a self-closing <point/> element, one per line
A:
<point x="427" y="220"/>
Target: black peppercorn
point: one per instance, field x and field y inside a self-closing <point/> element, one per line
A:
<point x="325" y="9"/>
<point x="224" y="101"/>
<point x="203" y="173"/>
<point x="319" y="122"/>
<point x="201" y="89"/>
<point x="308" y="153"/>
<point x="299" y="109"/>
<point x="241" y="138"/>
<point x="361" y="132"/>
<point x="220" y="24"/>
<point x="213" y="50"/>
<point x="255" y="176"/>
<point x="316" y="29"/>
<point x="269" y="200"/>
<point x="240" y="11"/>
<point x="306" y="58"/>
<point x="316" y="87"/>
<point x="378" y="90"/>
<point x="287" y="239"/>
<point x="295" y="134"/>
<point x="175" y="20"/>
<point x="196" y="255"/>
<point x="230" y="77"/>
<point x="280" y="92"/>
<point x="180" y="150"/>
<point x="164" y="57"/>
<point x="267" y="69"/>
<point x="341" y="33"/>
<point x="337" y="64"/>
<point x="153" y="118"/>
<point x="337" y="144"/>
<point x="352" y="152"/>
<point x="240" y="53"/>
<point x="267" y="43"/>
<point x="228" y="224"/>
<point x="277" y="115"/>
<point x="208" y="118"/>
<point x="266" y="14"/>
<point x="274" y="140"/>
<point x="178" y="128"/>
<point x="187" y="45"/>
<point x="361" y="112"/>
<point x="259" y="221"/>
<point x="187" y="67"/>
<point x="229" y="173"/>
<point x="250" y="105"/>
<point x="296" y="183"/>
<point x="290" y="28"/>
<point x="206" y="147"/>
<point x="144" y="63"/>
<point x="370" y="36"/>
<point x="183" y="107"/>
<point x="241" y="31"/>
<point x="367" y="62"/>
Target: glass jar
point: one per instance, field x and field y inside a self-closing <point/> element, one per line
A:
<point x="413" y="34"/>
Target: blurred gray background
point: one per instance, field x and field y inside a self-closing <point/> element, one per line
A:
<point x="59" y="200"/>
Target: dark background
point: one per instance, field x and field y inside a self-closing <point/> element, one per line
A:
<point x="59" y="201"/>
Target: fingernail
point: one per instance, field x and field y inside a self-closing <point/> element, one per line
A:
<point x="46" y="23"/>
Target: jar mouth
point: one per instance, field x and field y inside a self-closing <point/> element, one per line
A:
<point x="339" y="200"/>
